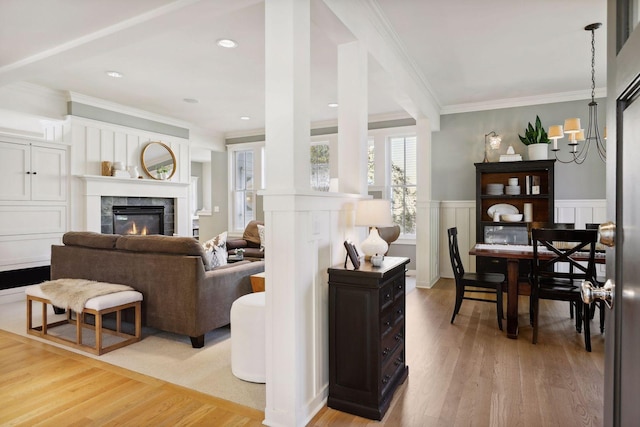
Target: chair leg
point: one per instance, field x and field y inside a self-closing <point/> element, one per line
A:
<point x="534" y="305"/>
<point x="587" y="328"/>
<point x="499" y="304"/>
<point x="571" y="309"/>
<point x="580" y="314"/>
<point x="459" y="295"/>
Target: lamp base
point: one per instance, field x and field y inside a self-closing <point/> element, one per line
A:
<point x="374" y="244"/>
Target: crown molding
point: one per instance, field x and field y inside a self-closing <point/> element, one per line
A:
<point x="523" y="101"/>
<point x="123" y="109"/>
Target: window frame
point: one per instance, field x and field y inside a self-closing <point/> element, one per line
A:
<point x="257" y="150"/>
<point x="388" y="171"/>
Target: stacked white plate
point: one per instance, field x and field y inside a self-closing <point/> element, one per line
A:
<point x="495" y="189"/>
<point x="512" y="190"/>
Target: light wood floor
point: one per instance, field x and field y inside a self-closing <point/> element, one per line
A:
<point x="464" y="374"/>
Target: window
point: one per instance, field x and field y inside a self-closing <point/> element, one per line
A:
<point x="371" y="169"/>
<point x="403" y="183"/>
<point x="320" y="166"/>
<point x="243" y="189"/>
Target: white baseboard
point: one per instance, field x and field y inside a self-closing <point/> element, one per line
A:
<point x="12" y="295"/>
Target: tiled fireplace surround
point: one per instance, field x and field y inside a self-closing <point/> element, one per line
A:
<point x="108" y="202"/>
<point x="100" y="191"/>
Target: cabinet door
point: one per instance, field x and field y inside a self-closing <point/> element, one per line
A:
<point x="14" y="165"/>
<point x="48" y="173"/>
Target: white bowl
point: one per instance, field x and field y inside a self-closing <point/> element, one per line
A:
<point x="511" y="217"/>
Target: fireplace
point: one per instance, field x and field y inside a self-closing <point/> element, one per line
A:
<point x="131" y="215"/>
<point x="138" y="219"/>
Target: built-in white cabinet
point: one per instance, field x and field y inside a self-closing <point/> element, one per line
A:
<point x="33" y="201"/>
<point x="32" y="172"/>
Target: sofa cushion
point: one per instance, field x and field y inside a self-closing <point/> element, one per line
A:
<point x="216" y="251"/>
<point x="251" y="232"/>
<point x="90" y="239"/>
<point x="161" y="244"/>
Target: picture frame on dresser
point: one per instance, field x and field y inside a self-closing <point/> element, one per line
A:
<point x="352" y="255"/>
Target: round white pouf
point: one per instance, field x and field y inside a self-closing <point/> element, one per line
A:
<point x="247" y="337"/>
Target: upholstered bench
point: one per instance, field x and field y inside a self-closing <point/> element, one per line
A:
<point x="248" y="338"/>
<point x="97" y="306"/>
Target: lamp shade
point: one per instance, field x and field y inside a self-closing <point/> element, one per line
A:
<point x="374" y="213"/>
<point x="555" y="131"/>
<point x="572" y="125"/>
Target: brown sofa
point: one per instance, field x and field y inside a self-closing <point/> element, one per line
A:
<point x="250" y="242"/>
<point x="180" y="295"/>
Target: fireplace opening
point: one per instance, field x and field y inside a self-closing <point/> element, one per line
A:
<point x="138" y="220"/>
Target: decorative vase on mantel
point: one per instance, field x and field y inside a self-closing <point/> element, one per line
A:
<point x="538" y="151"/>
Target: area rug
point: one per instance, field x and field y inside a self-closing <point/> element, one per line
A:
<point x="168" y="357"/>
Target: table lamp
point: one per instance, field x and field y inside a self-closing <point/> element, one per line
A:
<point x="374" y="213"/>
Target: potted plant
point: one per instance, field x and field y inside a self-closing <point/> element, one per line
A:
<point x="536" y="140"/>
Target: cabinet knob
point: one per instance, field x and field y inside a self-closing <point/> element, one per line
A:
<point x="387" y="323"/>
<point x="28" y="173"/>
<point x="34" y="173"/>
<point x="398" y="337"/>
<point x="387" y="296"/>
<point x="399" y="311"/>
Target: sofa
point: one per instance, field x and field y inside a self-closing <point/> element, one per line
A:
<point x="250" y="242"/>
<point x="180" y="295"/>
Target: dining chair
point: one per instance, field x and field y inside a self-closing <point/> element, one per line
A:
<point x="468" y="284"/>
<point x="554" y="225"/>
<point x="551" y="249"/>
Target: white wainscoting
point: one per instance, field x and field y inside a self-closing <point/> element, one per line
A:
<point x="461" y="214"/>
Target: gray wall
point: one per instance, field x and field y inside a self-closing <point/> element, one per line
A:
<point x="460" y="143"/>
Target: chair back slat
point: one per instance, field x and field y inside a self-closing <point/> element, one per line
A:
<point x="563" y="244"/>
<point x="454" y="253"/>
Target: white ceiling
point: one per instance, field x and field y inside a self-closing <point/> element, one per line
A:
<point x="471" y="54"/>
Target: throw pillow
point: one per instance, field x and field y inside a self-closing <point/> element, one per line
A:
<point x="261" y="234"/>
<point x="216" y="251"/>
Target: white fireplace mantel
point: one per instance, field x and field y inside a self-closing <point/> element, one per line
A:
<point x="97" y="186"/>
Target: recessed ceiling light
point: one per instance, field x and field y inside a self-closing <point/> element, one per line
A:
<point x="114" y="74"/>
<point x="333" y="105"/>
<point x="228" y="43"/>
<point x="190" y="100"/>
<point x="245" y="118"/>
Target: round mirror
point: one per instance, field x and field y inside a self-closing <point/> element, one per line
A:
<point x="158" y="161"/>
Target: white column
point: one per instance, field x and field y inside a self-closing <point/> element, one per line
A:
<point x="426" y="256"/>
<point x="352" y="118"/>
<point x="291" y="297"/>
<point x="287" y="74"/>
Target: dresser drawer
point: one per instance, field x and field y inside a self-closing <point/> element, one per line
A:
<point x="391" y="318"/>
<point x="390" y="342"/>
<point x="392" y="369"/>
<point x="386" y="296"/>
<point x="398" y="287"/>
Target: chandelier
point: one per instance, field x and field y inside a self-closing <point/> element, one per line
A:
<point x="572" y="126"/>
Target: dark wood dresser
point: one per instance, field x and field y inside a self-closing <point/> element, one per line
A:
<point x="366" y="336"/>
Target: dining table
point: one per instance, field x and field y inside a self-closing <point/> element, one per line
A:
<point x="515" y="285"/>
